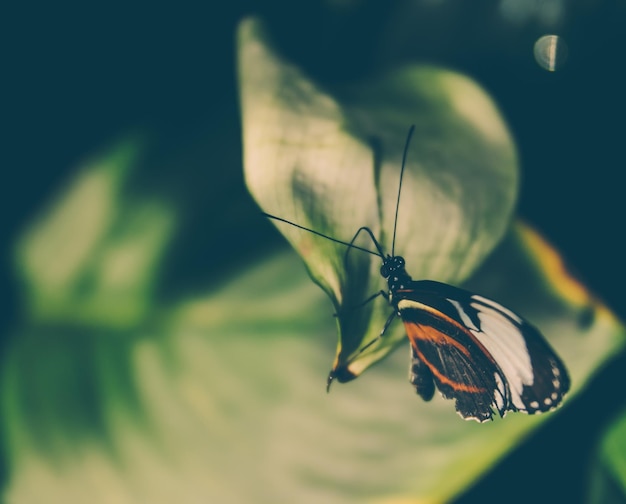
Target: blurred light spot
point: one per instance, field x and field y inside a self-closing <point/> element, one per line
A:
<point x="550" y="52"/>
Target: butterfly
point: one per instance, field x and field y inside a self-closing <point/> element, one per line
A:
<point x="471" y="348"/>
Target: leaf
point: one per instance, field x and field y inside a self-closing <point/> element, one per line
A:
<point x="329" y="159"/>
<point x="233" y="407"/>
<point x="90" y="256"/>
<point x="608" y="482"/>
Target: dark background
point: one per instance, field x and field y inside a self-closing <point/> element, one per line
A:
<point x="79" y="77"/>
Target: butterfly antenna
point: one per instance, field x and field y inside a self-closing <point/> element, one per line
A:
<point x="395" y="222"/>
<point x="350" y="245"/>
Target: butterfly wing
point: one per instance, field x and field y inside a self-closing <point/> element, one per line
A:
<point x="478" y="352"/>
<point x="421" y="376"/>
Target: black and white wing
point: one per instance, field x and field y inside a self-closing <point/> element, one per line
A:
<point x="478" y="352"/>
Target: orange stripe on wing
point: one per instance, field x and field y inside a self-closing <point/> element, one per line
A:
<point x="448" y="339"/>
<point x="426" y="333"/>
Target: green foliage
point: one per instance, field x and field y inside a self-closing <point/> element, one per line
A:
<point x="108" y="395"/>
<point x="330" y="161"/>
<point x="608" y="478"/>
<point x="91" y="257"/>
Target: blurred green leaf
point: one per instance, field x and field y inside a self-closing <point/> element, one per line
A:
<point x="90" y="256"/>
<point x="608" y="482"/>
<point x="330" y="160"/>
<point x="232" y="406"/>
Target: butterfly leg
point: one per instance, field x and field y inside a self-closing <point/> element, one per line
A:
<point x="363" y="303"/>
<point x="382" y="333"/>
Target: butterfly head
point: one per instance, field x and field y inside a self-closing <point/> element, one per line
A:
<point x="393" y="269"/>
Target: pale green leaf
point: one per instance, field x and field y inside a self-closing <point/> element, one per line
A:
<point x="90" y="256"/>
<point x="233" y="407"/>
<point x="329" y="160"/>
